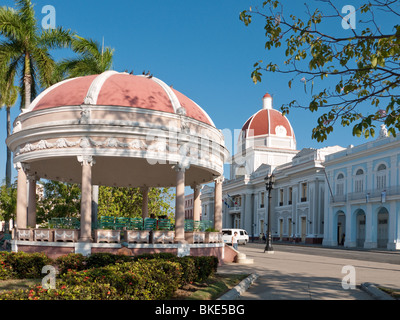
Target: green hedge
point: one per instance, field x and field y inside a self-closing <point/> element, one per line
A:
<point x="21" y="265"/>
<point x="103" y="276"/>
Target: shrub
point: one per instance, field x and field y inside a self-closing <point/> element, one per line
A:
<point x="102" y="259"/>
<point x="141" y="280"/>
<point x="6" y="271"/>
<point x="27" y="265"/>
<point x="96" y="291"/>
<point x="206" y="267"/>
<point x="108" y="276"/>
<point x="71" y="261"/>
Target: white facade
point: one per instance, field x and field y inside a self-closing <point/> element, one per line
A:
<point x="331" y="196"/>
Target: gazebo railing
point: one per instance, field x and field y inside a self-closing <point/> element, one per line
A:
<point x="64" y="223"/>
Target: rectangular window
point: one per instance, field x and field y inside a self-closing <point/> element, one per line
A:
<point x="340" y="189"/>
<point x="290" y="195"/>
<point x="303" y="192"/>
<point x="381" y="182"/>
<point x="359" y="185"/>
<point x="280" y="197"/>
<point x="262" y="200"/>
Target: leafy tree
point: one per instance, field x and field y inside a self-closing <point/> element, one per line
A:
<point x="8" y="202"/>
<point x="63" y="200"/>
<point x="24" y="49"/>
<point x="127" y="202"/>
<point x="59" y="200"/>
<point x="361" y="65"/>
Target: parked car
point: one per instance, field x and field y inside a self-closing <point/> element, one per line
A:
<point x="242" y="236"/>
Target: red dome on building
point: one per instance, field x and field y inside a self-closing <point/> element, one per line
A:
<point x="120" y="89"/>
<point x="267" y="121"/>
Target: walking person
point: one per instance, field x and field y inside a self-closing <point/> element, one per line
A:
<point x="235" y="241"/>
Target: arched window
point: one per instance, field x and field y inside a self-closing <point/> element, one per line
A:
<point x="381" y="167"/>
<point x="381" y="177"/>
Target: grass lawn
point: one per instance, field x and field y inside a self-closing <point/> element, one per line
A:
<point x="17" y="284"/>
<point x="210" y="289"/>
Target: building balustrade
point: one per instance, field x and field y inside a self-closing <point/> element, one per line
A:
<point x="367" y="195"/>
<point x="235" y="209"/>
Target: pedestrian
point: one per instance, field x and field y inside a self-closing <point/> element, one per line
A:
<point x="260" y="237"/>
<point x="235" y="241"/>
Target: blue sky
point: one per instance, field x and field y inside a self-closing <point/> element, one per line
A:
<point x="200" y="47"/>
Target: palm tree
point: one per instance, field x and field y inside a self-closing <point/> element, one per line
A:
<point x="25" y="48"/>
<point x="8" y="97"/>
<point x="92" y="59"/>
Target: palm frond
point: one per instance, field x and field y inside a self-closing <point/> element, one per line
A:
<point x="27" y="15"/>
<point x="56" y="38"/>
<point x="10" y="23"/>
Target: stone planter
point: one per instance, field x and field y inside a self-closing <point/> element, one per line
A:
<point x="136" y="236"/>
<point x="108" y="236"/>
<point x="43" y="235"/>
<point x="163" y="236"/>
<point x="213" y="237"/>
<point x="66" y="235"/>
<point x="195" y="236"/>
<point x="24" y="234"/>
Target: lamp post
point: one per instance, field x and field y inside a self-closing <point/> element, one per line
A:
<point x="269" y="184"/>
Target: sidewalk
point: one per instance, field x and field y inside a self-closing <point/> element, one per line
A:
<point x="299" y="276"/>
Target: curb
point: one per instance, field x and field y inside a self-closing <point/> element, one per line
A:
<point x="238" y="290"/>
<point x="376" y="293"/>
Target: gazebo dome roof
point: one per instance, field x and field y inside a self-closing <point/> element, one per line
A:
<point x="137" y="130"/>
<point x="112" y="88"/>
<point x="267" y="121"/>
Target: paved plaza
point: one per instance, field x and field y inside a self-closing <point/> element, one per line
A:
<point x="308" y="273"/>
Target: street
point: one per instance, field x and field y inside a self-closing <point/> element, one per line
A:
<point x="315" y="273"/>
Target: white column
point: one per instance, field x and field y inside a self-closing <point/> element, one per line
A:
<point x="95" y="204"/>
<point x="218" y="203"/>
<point x="21" y="197"/>
<point x="392" y="236"/>
<point x="196" y="202"/>
<point x="328" y="213"/>
<point x="31" y="201"/>
<point x="370" y="228"/>
<point x="248" y="212"/>
<point x="86" y="198"/>
<point x="180" y="205"/>
<point x="145" y="202"/>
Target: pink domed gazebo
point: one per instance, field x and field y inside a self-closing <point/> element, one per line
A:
<point x="113" y="129"/>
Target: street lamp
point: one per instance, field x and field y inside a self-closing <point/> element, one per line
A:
<point x="269" y="185"/>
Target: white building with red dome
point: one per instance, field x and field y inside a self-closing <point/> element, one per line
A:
<point x="333" y="196"/>
<point x="267" y="144"/>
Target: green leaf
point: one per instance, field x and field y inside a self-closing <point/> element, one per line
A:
<point x="374" y="61"/>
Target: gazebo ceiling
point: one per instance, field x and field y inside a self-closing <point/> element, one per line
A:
<point x="117" y="171"/>
<point x="135" y="128"/>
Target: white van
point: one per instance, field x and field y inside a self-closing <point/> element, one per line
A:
<point x="242" y="236"/>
